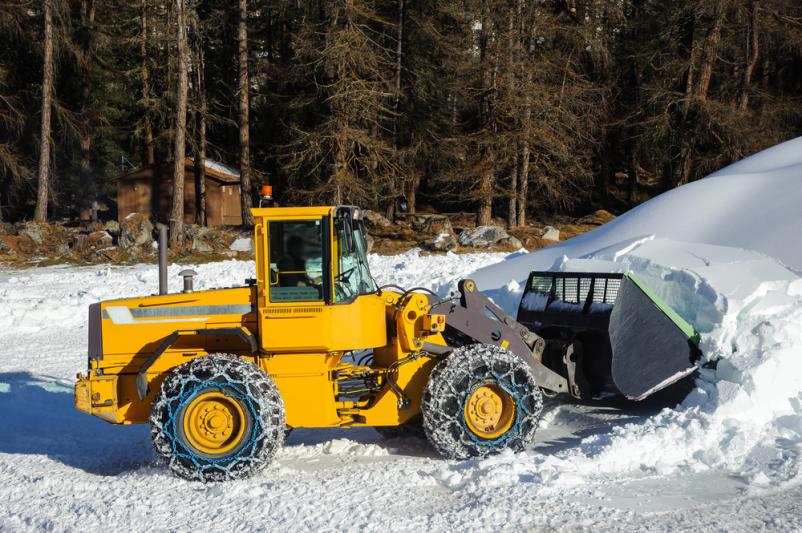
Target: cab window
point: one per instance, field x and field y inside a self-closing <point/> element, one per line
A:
<point x="296" y="261"/>
<point x="352" y="276"/>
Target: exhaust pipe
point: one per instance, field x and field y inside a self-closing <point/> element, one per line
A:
<point x="188" y="276"/>
<point x="162" y="258"/>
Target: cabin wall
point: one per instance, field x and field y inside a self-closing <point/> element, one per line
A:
<point x="135" y="194"/>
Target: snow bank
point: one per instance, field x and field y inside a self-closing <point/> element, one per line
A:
<point x="725" y="252"/>
<point x="753" y="204"/>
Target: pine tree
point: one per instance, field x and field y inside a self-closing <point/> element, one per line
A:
<point x="43" y="175"/>
<point x="244" y="112"/>
<point x="179" y="157"/>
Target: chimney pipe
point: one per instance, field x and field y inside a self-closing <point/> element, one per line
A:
<point x="162" y="258"/>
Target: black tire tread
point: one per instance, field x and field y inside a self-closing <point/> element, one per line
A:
<point x="449" y="386"/>
<point x="248" y="379"/>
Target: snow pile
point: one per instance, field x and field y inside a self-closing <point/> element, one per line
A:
<point x="725" y="253"/>
<point x="753" y="204"/>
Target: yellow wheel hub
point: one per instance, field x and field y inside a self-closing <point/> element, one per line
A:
<point x="214" y="423"/>
<point x="489" y="411"/>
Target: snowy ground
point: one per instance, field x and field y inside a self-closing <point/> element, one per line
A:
<point x="596" y="466"/>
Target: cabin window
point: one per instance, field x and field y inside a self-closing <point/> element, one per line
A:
<point x="296" y="261"/>
<point x="352" y="276"/>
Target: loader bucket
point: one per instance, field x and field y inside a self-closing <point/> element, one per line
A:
<point x="608" y="333"/>
<point x="652" y="345"/>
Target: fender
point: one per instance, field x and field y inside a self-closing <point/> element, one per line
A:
<point x="142" y="378"/>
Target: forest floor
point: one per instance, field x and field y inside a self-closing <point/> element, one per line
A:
<point x="28" y="244"/>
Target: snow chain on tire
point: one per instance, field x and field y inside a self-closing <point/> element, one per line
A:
<point x="238" y="380"/>
<point x="452" y="382"/>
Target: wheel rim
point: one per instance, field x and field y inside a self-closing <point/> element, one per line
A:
<point x="214" y="423"/>
<point x="489" y="411"/>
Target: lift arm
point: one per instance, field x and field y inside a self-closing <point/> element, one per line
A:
<point x="476" y="317"/>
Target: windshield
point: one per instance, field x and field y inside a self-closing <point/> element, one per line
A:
<point x="353" y="274"/>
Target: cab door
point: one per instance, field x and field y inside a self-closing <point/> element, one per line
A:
<point x="294" y="284"/>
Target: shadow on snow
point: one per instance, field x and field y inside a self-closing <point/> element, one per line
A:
<point x="40" y="419"/>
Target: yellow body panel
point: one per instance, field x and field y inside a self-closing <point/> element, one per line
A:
<point x="133" y="328"/>
<point x="302" y="327"/>
<point x="306" y="388"/>
<point x="301" y="345"/>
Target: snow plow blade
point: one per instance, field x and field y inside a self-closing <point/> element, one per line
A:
<point x="608" y="333"/>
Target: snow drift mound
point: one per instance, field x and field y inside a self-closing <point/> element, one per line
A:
<point x="754" y="204"/>
<point x="725" y="252"/>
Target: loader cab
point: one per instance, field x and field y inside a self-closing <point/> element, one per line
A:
<point x="311" y="262"/>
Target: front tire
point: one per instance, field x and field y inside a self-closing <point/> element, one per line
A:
<point x="217" y="418"/>
<point x="481" y="400"/>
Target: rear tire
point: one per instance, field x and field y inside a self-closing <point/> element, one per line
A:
<point x="217" y="418"/>
<point x="481" y="400"/>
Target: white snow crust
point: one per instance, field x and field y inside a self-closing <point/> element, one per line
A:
<point x="220" y="167"/>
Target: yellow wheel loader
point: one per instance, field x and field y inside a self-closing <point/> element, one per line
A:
<point x="220" y="375"/>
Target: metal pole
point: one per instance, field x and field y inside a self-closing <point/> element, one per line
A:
<point x="162" y="259"/>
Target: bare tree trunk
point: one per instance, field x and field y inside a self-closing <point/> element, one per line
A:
<point x="399" y="54"/>
<point x="710" y="53"/>
<point x="85" y="141"/>
<point x="410" y="186"/>
<point x="179" y="152"/>
<point x="523" y="175"/>
<point x="454" y="119"/>
<point x="705" y="75"/>
<point x="690" y="79"/>
<point x="515" y="14"/>
<point x="487" y="178"/>
<point x="752" y="54"/>
<point x="244" y="105"/>
<point x="340" y="168"/>
<point x="632" y="172"/>
<point x="606" y="171"/>
<point x="200" y="155"/>
<point x="485" y="215"/>
<point x="524" y="181"/>
<point x="149" y="155"/>
<point x="675" y="149"/>
<point x="512" y="214"/>
<point x="43" y="179"/>
<point x="411" y="195"/>
<point x="201" y="163"/>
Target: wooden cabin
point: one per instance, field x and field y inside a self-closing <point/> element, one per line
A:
<point x="148" y="190"/>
